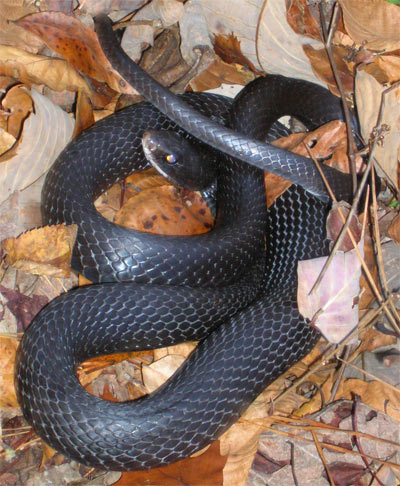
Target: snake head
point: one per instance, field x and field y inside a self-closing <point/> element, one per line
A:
<point x="186" y="164"/>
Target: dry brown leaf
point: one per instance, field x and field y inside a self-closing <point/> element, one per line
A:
<point x="75" y="42"/>
<point x="28" y="68"/>
<point x="229" y="50"/>
<point x="374" y="23"/>
<point x="219" y="73"/>
<point x="302" y="21"/>
<point x="8" y="349"/>
<point x="322" y="68"/>
<point x="205" y="469"/>
<point x="84" y="115"/>
<point x="11" y="34"/>
<point x="162" y="210"/>
<point x="330" y="140"/>
<point x="43" y="251"/>
<point x="19" y="104"/>
<point x="372" y="339"/>
<point x="369" y="89"/>
<point x="7" y="141"/>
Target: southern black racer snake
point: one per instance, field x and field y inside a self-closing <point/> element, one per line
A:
<point x="198" y="284"/>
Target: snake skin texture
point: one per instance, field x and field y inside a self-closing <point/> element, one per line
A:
<point x="185" y="288"/>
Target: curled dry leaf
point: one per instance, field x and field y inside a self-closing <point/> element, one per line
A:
<point x="43" y="251"/>
<point x="333" y="307"/>
<point x="8" y="349"/>
<point x="75" y="42"/>
<point x="45" y="133"/>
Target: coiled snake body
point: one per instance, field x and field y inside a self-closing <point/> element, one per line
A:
<point x="186" y="288"/>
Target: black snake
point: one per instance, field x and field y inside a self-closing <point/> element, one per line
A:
<point x="198" y="284"/>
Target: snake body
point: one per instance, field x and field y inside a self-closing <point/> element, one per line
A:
<point x="185" y="288"/>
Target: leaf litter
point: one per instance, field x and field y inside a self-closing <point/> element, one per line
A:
<point x="226" y="461"/>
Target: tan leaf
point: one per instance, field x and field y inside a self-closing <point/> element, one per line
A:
<point x="372" y="22"/>
<point x="8" y="349"/>
<point x="43" y="251"/>
<point x="45" y="134"/>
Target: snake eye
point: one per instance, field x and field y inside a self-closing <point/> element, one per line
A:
<point x="171" y="159"/>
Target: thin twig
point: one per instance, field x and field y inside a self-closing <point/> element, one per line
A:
<point x="340" y="374"/>
<point x="292" y="464"/>
<point x="393" y="388"/>
<point x="354" y="417"/>
<point x="327" y="37"/>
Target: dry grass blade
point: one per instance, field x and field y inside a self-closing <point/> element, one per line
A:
<point x="322" y="456"/>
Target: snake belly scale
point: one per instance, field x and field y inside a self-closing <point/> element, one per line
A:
<point x="157" y="291"/>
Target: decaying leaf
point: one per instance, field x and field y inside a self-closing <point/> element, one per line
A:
<point x="75" y="42"/>
<point x="43" y="251"/>
<point x="8" y="349"/>
<point x="162" y="210"/>
<point x="333" y="307"/>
